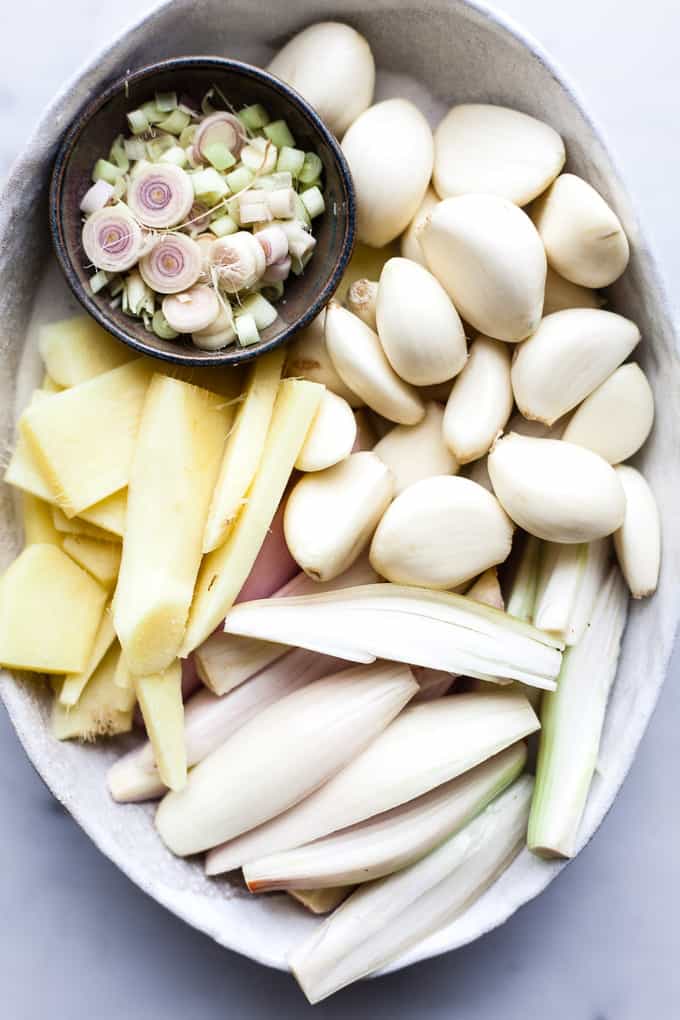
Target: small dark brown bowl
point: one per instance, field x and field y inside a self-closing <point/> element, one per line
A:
<point x="90" y="137"/>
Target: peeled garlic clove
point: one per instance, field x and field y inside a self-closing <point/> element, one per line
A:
<point x="489" y="258"/>
<point x="330" y="515"/>
<point x="309" y="359"/>
<point x="390" y="150"/>
<point x="332" y="66"/>
<point x="617" y="417"/>
<point x="556" y="490"/>
<point x="480" y="402"/>
<point x="331" y="436"/>
<point x="360" y="361"/>
<point x="491" y="149"/>
<point x="414" y="452"/>
<point x="583" y="237"/>
<point x="440" y="532"/>
<point x="638" y="540"/>
<point x="570" y="354"/>
<point x="561" y="294"/>
<point x="361" y="300"/>
<point x="193" y="309"/>
<point x="410" y="244"/>
<point x="419" y="328"/>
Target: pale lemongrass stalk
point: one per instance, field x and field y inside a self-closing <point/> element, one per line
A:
<point x="433" y="683"/>
<point x="210" y="720"/>
<point x="521" y="597"/>
<point x="225" y="661"/>
<point x="384" y="918"/>
<point x="569" y="581"/>
<point x="390" y="841"/>
<point x="572" y="720"/>
<point x="436" y="629"/>
<point x="427" y="745"/>
<point x="321" y="901"/>
<point x="282" y="755"/>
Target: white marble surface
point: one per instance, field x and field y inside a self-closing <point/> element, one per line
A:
<point x="78" y="940"/>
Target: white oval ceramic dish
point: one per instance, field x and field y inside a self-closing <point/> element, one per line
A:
<point x="437" y="54"/>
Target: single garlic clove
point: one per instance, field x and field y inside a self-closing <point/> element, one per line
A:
<point x="161" y="195"/>
<point x="331" y="436"/>
<point x="332" y="66"/>
<point x="220" y="128"/>
<point x="174" y="264"/>
<point x="440" y="532"/>
<point x="112" y="239"/>
<point x="480" y="402"/>
<point x="414" y="452"/>
<point x="390" y="150"/>
<point x="360" y="361"/>
<point x="361" y="300"/>
<point x="561" y="294"/>
<point x="309" y="359"/>
<point x="638" y="540"/>
<point x="330" y="515"/>
<point x="489" y="258"/>
<point x="192" y="310"/>
<point x="583" y="236"/>
<point x="419" y="328"/>
<point x="491" y="149"/>
<point x="238" y="261"/>
<point x="617" y="417"/>
<point x="410" y="245"/>
<point x="219" y="333"/>
<point x="571" y="353"/>
<point x="556" y="490"/>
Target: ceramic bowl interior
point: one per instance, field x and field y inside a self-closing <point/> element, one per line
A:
<point x="103" y="118"/>
<point x="437" y="54"/>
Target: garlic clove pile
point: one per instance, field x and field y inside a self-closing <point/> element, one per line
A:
<point x="617" y="417"/>
<point x="571" y="353"/>
<point x="309" y="359"/>
<point x="495" y="150"/>
<point x="410" y="245"/>
<point x="638" y="540"/>
<point x="489" y="258"/>
<point x="331" y="436"/>
<point x="414" y="452"/>
<point x="480" y="402"/>
<point x="556" y="490"/>
<point x="440" y="532"/>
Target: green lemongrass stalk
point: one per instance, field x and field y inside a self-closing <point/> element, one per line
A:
<point x="210" y="720"/>
<point x="569" y="581"/>
<point x="383" y="919"/>
<point x="572" y="721"/>
<point x="405" y="624"/>
<point x="282" y="755"/>
<point x="390" y="841"/>
<point x="427" y="745"/>
<point x="521" y="597"/>
<point x="321" y="901"/>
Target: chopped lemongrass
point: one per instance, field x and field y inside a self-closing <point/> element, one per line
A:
<point x="392" y="840"/>
<point x="260" y="155"/>
<point x="521" y="598"/>
<point x="384" y="918"/>
<point x="300" y="211"/>
<point x="116" y="285"/>
<point x="118" y="155"/>
<point x="321" y="901"/>
<point x="313" y="201"/>
<point x="253" y="208"/>
<point x="175" y="122"/>
<point x="311" y="169"/>
<point x="175" y="155"/>
<point x="219" y="156"/>
<point x="138" y="122"/>
<point x="158" y="145"/>
<point x="246" y="330"/>
<point x="162" y="327"/>
<point x="208" y="183"/>
<point x="572" y="719"/>
<point x="273" y="289"/>
<point x="237" y="261"/>
<point x="278" y="132"/>
<point x="239" y="179"/>
<point x="99" y="281"/>
<point x="105" y="171"/>
<point x="300" y="241"/>
<point x="166" y="101"/>
<point x="135" y="148"/>
<point x="152" y="112"/>
<point x="254" y="117"/>
<point x="568" y="584"/>
<point x="222" y="226"/>
<point x="173" y="265"/>
<point x="262" y="312"/>
<point x="187" y="136"/>
<point x="112" y="238"/>
<point x="96" y="197"/>
<point x="281" y="203"/>
<point x="137" y="295"/>
<point x="290" y="160"/>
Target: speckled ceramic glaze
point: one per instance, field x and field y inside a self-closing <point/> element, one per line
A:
<point x="435" y="53"/>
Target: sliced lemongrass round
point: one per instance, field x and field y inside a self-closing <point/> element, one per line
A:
<point x="112" y="239"/>
<point x="192" y="310"/>
<point x="97" y="196"/>
<point x="205" y="243"/>
<point x="219" y="333"/>
<point x="274" y="243"/>
<point x="277" y="271"/>
<point x="161" y="195"/>
<point x="220" y="128"/>
<point x="174" y="264"/>
<point x="238" y="260"/>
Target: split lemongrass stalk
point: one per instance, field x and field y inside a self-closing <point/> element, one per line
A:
<point x="392" y="840"/>
<point x="224" y="571"/>
<point x="572" y="720"/>
<point x="384" y="918"/>
<point x="569" y="581"/>
<point x="429" y="628"/>
<point x="521" y="597"/>
<point x="427" y="745"/>
<point x="210" y="720"/>
<point x="304" y="739"/>
<point x="176" y="461"/>
<point x="160" y="699"/>
<point x="321" y="901"/>
<point x="224" y="661"/>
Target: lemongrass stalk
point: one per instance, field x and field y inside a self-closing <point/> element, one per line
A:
<point x="427" y="628"/>
<point x="427" y="745"/>
<point x="390" y="841"/>
<point x="302" y="741"/>
<point x="384" y="918"/>
<point x="569" y="581"/>
<point x="521" y="597"/>
<point x="321" y="901"/>
<point x="210" y="720"/>
<point x="572" y="720"/>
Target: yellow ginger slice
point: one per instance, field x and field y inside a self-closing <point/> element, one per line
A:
<point x="160" y="699"/>
<point x="77" y="349"/>
<point x="97" y="713"/>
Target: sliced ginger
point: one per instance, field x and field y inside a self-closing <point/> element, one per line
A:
<point x="75" y="683"/>
<point x="160" y="699"/>
<point x="77" y="349"/>
<point x="97" y="713"/>
<point x="38" y="524"/>
<point x="101" y="559"/>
